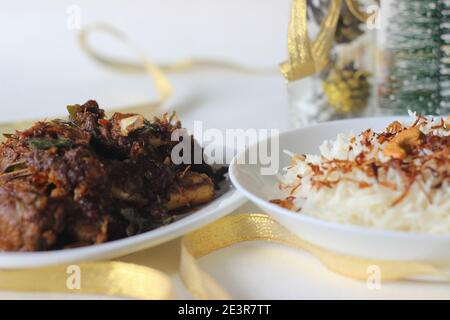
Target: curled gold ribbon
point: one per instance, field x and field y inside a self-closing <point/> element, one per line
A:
<point x="144" y="65"/>
<point x="248" y="227"/>
<point x="181" y="65"/>
<point x="158" y="72"/>
<point x="129" y="280"/>
<point x="306" y="57"/>
<point x="162" y="84"/>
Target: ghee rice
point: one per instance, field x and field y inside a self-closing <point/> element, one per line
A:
<point x="388" y="180"/>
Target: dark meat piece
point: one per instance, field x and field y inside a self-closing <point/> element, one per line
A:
<point x="90" y="179"/>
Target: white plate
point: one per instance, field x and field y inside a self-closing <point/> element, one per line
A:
<point x="347" y="239"/>
<point x="221" y="206"/>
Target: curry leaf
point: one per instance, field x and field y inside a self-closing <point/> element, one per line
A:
<point x="44" y="144"/>
<point x="15" y="166"/>
<point x="72" y="109"/>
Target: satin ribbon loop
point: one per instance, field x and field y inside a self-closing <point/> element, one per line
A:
<point x="162" y="84"/>
<point x="306" y="57"/>
<point x="158" y="72"/>
<point x="249" y="227"/>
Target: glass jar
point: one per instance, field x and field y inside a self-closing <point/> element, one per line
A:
<point x="344" y="89"/>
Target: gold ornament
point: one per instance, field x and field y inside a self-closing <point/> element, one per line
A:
<point x="347" y="89"/>
<point x="348" y="26"/>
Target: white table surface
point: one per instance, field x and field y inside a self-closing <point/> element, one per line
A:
<point x="42" y="70"/>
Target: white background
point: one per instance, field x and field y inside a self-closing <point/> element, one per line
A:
<point x="42" y="70"/>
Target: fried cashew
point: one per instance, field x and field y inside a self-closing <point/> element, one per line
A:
<point x="403" y="142"/>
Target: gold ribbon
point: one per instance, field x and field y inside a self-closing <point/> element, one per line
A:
<point x="249" y="227"/>
<point x="306" y="57"/>
<point x="144" y="65"/>
<point x="102" y="278"/>
<point x="133" y="281"/>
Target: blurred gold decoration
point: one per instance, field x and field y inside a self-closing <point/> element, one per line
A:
<point x="348" y="26"/>
<point x="306" y="57"/>
<point x="347" y="89"/>
<point x="144" y="65"/>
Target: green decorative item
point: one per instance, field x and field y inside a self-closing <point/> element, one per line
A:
<point x="418" y="40"/>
